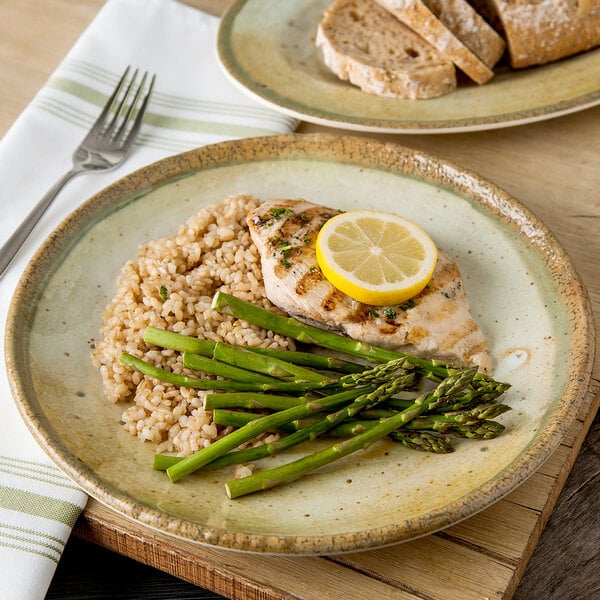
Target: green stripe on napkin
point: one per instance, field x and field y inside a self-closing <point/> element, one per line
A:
<point x="38" y="505"/>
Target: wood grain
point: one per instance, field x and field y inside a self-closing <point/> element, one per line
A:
<point x="566" y="566"/>
<point x="553" y="168"/>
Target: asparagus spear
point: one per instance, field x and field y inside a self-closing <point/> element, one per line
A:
<point x="311" y="359"/>
<point x="236" y="418"/>
<point x="218" y="384"/>
<point x="163" y="462"/>
<point x="176" y="341"/>
<point x="233" y="418"/>
<point x="290" y="327"/>
<point x="380" y="372"/>
<point x="183" y="343"/>
<point x="459" y="425"/>
<point x="480" y="430"/>
<point x="480" y="393"/>
<point x="251" y="400"/>
<point x="421" y="440"/>
<point x="474" y="423"/>
<point x="463" y="420"/>
<point x="488" y="411"/>
<point x="442" y="394"/>
<point x="269" y="365"/>
<point x="269" y="362"/>
<point x="222" y="369"/>
<point x="270" y="422"/>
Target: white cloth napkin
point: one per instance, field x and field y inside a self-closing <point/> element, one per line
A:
<point x="193" y="104"/>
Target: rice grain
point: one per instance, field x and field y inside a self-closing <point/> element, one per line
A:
<point x="171" y="285"/>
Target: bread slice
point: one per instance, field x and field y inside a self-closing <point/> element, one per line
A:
<point x="541" y="31"/>
<point x="362" y="43"/>
<point x="455" y="29"/>
<point x="470" y="28"/>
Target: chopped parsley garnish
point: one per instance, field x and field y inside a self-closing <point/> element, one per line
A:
<point x="389" y="313"/>
<point x="163" y="293"/>
<point x="408" y="304"/>
<point x="277" y="213"/>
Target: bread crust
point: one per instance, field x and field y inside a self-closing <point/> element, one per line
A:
<point x="542" y="31"/>
<point x="470" y="28"/>
<point x="419" y="16"/>
<point x="362" y="43"/>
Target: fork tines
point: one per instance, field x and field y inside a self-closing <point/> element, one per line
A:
<point x="127" y="104"/>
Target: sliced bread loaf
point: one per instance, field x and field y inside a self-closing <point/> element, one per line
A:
<point x="455" y="29"/>
<point x="470" y="28"/>
<point x="362" y="43"/>
<point x="541" y="31"/>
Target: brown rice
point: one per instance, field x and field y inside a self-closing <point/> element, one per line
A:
<point x="211" y="251"/>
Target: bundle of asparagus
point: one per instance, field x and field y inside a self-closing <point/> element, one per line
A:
<point x="411" y="400"/>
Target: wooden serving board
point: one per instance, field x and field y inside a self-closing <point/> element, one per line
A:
<point x="481" y="558"/>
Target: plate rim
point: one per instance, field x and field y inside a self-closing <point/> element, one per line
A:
<point x="322" y="117"/>
<point x="160" y="173"/>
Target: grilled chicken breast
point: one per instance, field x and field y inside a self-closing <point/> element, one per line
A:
<point x="436" y="323"/>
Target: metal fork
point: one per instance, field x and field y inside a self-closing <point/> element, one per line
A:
<point x="106" y="146"/>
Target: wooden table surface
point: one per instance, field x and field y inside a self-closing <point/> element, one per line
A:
<point x="553" y="167"/>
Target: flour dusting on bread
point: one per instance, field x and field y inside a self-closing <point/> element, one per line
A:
<point x="542" y="31"/>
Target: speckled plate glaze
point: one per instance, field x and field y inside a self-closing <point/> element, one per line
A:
<point x="267" y="47"/>
<point x="523" y="290"/>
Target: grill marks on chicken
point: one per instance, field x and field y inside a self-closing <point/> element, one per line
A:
<point x="436" y="323"/>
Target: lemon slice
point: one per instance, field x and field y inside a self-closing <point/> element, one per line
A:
<point x="375" y="257"/>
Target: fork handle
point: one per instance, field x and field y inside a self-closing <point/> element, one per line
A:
<point x="17" y="239"/>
